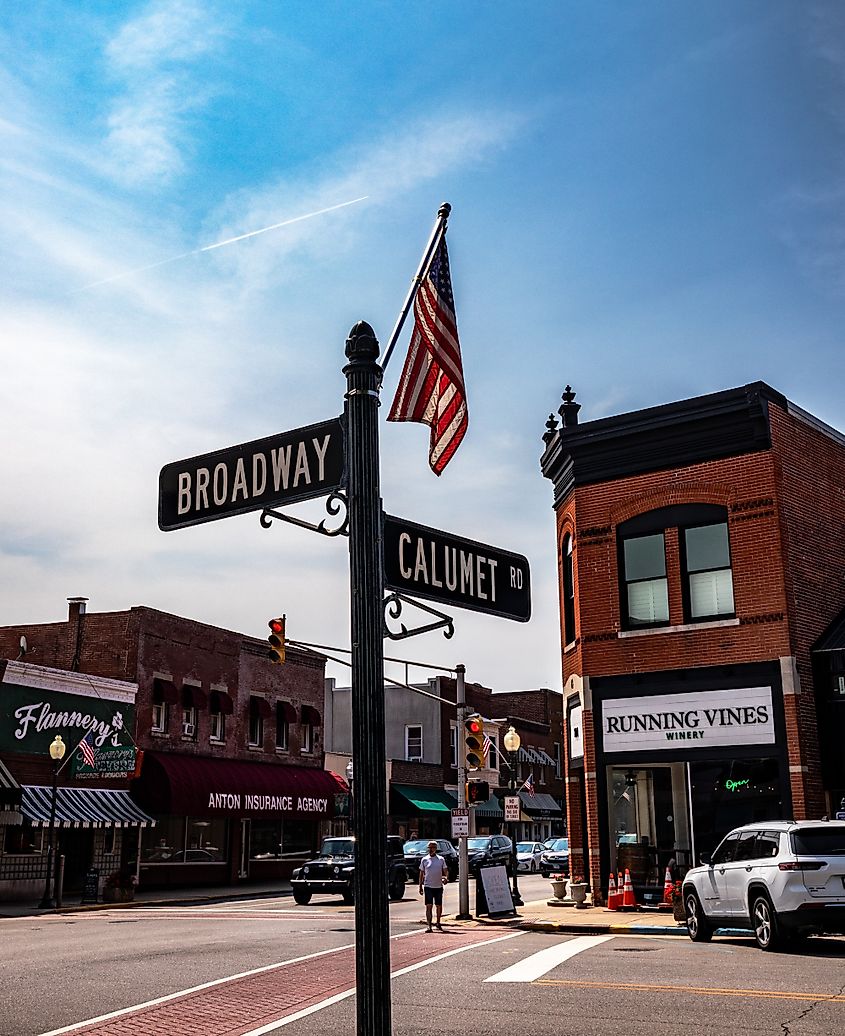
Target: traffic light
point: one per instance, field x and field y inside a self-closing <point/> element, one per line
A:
<point x="474" y="739"/>
<point x="477" y="791"/>
<point x="277" y="640"/>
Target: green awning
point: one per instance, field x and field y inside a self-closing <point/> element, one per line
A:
<point x="427" y="800"/>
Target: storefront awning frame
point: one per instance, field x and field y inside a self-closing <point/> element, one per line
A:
<point x="82" y="807"/>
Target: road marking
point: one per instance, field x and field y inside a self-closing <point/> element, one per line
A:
<point x="641" y="987"/>
<point x="533" y="967"/>
<point x="193" y="989"/>
<point x="272" y="1026"/>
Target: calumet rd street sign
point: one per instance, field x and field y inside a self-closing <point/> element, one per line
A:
<point x="440" y="566"/>
<point x="281" y="469"/>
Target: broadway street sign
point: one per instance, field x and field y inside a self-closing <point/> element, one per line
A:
<point x="281" y="469"/>
<point x="439" y="566"/>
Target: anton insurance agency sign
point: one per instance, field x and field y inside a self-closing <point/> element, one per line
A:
<point x="37" y="703"/>
<point x="703" y="719"/>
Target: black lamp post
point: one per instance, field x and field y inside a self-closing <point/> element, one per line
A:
<point x="512" y="742"/>
<point x="350" y="773"/>
<point x="57" y="753"/>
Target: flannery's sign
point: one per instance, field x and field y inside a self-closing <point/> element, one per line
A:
<point x="739" y="716"/>
<point x="280" y="469"/>
<point x="230" y="802"/>
<point x="30" y="717"/>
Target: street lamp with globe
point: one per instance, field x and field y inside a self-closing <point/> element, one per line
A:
<point x="512" y="741"/>
<point x="57" y="753"/>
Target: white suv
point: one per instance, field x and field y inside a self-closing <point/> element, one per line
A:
<point x="781" y="879"/>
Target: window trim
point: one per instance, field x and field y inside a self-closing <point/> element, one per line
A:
<point x="258" y="719"/>
<point x="220" y="718"/>
<point x="624" y="582"/>
<point x="568" y="581"/>
<point x="686" y="591"/>
<point x="408" y="757"/>
<point x="163" y="708"/>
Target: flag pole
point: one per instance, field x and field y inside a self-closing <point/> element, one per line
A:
<point x="432" y="246"/>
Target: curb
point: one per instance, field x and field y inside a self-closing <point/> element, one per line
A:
<point x="182" y="901"/>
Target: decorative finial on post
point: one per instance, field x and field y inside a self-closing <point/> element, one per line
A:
<point x="551" y="429"/>
<point x="444" y="210"/>
<point x="362" y="343"/>
<point x="569" y="410"/>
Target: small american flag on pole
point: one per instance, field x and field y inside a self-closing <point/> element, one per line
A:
<point x="431" y="389"/>
<point x="528" y="785"/>
<point x="485" y="746"/>
<point x="86" y="747"/>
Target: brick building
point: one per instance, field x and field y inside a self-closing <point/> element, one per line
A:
<point x="701" y="572"/>
<point x="232" y="765"/>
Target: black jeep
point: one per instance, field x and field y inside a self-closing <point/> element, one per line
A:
<point x="333" y="871"/>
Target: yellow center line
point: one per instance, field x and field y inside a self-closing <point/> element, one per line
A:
<point x="770" y="994"/>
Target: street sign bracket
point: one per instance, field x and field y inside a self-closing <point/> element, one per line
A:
<point x="334" y="504"/>
<point x="393" y="608"/>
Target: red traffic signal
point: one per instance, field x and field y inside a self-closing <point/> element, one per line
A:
<point x="277" y="640"/>
<point x="474" y="740"/>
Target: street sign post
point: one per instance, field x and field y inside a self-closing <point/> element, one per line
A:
<point x="449" y="569"/>
<point x="460" y="823"/>
<point x="281" y="469"/>
<point x="512" y="809"/>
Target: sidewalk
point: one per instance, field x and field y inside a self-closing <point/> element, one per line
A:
<point x="156" y="897"/>
<point x="538" y="916"/>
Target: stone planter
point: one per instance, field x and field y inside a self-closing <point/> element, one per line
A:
<point x="117" y="895"/>
<point x="678" y="911"/>
<point x="559" y="889"/>
<point x="578" y="892"/>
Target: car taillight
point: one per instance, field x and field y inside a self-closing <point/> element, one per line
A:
<point x="801" y="865"/>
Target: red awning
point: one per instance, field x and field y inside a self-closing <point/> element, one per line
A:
<point x="287" y="711"/>
<point x="193" y="696"/>
<point x="165" y="690"/>
<point x="195" y="786"/>
<point x="310" y="716"/>
<point x="261" y="706"/>
<point x="221" y="702"/>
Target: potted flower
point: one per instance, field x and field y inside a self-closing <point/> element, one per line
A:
<point x="119" y="887"/>
<point x="676" y="898"/>
<point x="578" y="891"/>
<point x="558" y="885"/>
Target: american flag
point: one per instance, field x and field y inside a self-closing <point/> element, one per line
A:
<point x="431" y="389"/>
<point x="528" y="785"/>
<point x="86" y="747"/>
<point x="485" y="746"/>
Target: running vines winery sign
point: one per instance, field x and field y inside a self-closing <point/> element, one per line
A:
<point x="739" y="716"/>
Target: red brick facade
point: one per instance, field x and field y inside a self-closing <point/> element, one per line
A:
<point x="784" y="505"/>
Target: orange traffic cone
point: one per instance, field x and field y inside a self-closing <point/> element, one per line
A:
<point x="667" y="887"/>
<point x="629" y="901"/>
<point x="612" y="894"/>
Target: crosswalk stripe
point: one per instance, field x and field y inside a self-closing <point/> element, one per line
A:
<point x="539" y="963"/>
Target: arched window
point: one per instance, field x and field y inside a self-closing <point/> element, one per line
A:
<point x="568" y="591"/>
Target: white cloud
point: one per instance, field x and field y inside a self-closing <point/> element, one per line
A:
<point x="153" y="56"/>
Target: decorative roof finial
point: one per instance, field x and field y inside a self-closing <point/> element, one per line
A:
<point x="569" y="409"/>
<point x="551" y="429"/>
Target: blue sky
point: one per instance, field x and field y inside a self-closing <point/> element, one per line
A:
<point x="648" y="203"/>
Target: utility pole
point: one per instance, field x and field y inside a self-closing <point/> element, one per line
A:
<point x="463" y="856"/>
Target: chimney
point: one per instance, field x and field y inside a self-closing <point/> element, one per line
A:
<point x="569" y="409"/>
<point x="76" y="608"/>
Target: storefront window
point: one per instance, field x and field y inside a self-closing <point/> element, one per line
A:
<point x="206" y="841"/>
<point x="185" y="840"/>
<point x="265" y="840"/>
<point x="297" y="840"/>
<point x="731" y="794"/>
<point x="23" y="840"/>
<point x="164" y="842"/>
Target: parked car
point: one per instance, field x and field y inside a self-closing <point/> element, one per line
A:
<point x="528" y="856"/>
<point x="333" y="871"/>
<point x="782" y="880"/>
<point x="555" y="860"/>
<point x="549" y="842"/>
<point x="415" y="850"/>
<point x="488" y="850"/>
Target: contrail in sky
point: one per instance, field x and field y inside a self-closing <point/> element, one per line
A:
<point x="218" y="244"/>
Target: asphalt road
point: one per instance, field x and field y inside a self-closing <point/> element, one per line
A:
<point x="58" y="971"/>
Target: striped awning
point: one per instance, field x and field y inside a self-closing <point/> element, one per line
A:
<point x="82" y="807"/>
<point x="545" y="758"/>
<point x="10" y="792"/>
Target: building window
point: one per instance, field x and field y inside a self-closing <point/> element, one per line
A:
<point x="22" y="840"/>
<point x="453" y="746"/>
<point x="160" y="717"/>
<point x="413" y="744"/>
<point x="307" y="738"/>
<point x="646" y="591"/>
<point x="568" y="591"/>
<point x="282" y="728"/>
<point x="256" y="725"/>
<point x="493" y="753"/>
<point x="109" y="841"/>
<point x="218" y="727"/>
<point x="189" y="723"/>
<point x="708" y="584"/>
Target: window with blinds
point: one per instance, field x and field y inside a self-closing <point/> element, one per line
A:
<point x="646" y="587"/>
<point x="709" y="578"/>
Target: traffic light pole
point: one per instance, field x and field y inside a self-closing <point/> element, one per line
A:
<point x="463" y="856"/>
<point x="372" y="922"/>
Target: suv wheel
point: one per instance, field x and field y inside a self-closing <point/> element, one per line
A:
<point x="697" y="924"/>
<point x="396" y="889"/>
<point x="302" y="896"/>
<point x="766" y="929"/>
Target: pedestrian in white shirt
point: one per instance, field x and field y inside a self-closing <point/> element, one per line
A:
<point x="433" y="876"/>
